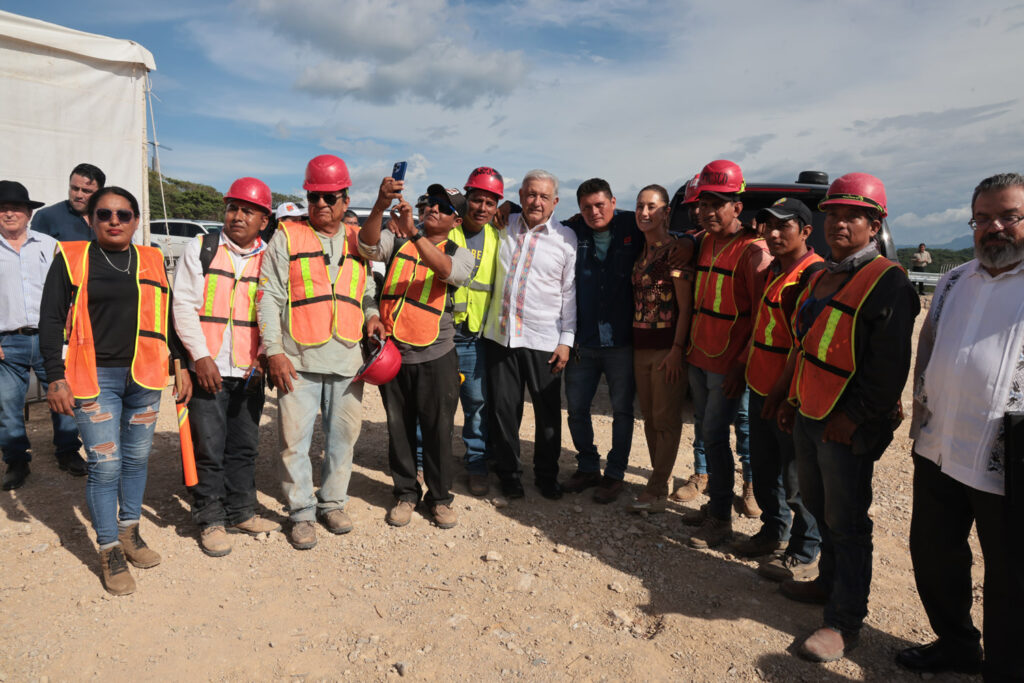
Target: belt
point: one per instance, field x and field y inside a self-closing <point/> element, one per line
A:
<point x="27" y="331"/>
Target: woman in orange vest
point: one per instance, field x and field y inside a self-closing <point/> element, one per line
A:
<point x="109" y="300"/>
<point x="853" y="324"/>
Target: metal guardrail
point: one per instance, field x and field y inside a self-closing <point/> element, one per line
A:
<point x="929" y="279"/>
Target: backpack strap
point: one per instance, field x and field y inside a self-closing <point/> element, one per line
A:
<point x="208" y="250"/>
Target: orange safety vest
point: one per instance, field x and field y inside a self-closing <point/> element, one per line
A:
<point x="826" y="359"/>
<point x="714" y="302"/>
<point x="149" y="364"/>
<point x="772" y="338"/>
<point x="413" y="299"/>
<point x="316" y="307"/>
<point x="231" y="300"/>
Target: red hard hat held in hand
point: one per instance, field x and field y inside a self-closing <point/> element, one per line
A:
<point x="252" y="190"/>
<point x="383" y="363"/>
<point x="721" y="176"/>
<point x="326" y="173"/>
<point x="486" y="178"/>
<point x="856" y="189"/>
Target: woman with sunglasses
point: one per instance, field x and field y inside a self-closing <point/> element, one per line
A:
<point x="113" y="297"/>
<point x="663" y="301"/>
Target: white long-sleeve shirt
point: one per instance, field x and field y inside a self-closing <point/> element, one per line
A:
<point x="534" y="300"/>
<point x="975" y="373"/>
<point x="188" y="300"/>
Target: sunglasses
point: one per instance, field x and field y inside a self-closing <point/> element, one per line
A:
<point x="123" y="215"/>
<point x="446" y="208"/>
<point x="330" y="198"/>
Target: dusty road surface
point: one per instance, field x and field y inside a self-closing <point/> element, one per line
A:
<point x="527" y="590"/>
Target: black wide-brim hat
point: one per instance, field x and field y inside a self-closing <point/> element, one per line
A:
<point x="13" y="192"/>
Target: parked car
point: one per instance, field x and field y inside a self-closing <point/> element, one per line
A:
<point x="810" y="188"/>
<point x="171" y="235"/>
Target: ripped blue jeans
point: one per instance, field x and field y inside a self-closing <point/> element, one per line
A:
<point x="117" y="429"/>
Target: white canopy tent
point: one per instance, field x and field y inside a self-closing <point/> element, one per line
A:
<point x="71" y="97"/>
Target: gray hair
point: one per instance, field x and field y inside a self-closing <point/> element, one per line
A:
<point x="1000" y="181"/>
<point x="541" y="174"/>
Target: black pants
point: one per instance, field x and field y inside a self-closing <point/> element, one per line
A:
<point x="225" y="437"/>
<point x="920" y="285"/>
<point x="427" y="392"/>
<point x="508" y="371"/>
<point x="944" y="510"/>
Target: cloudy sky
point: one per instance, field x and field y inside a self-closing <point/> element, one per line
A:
<point x="925" y="94"/>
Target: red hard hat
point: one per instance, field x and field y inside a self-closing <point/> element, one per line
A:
<point x="486" y="178"/>
<point x="383" y="363"/>
<point x="720" y="176"/>
<point x="326" y="173"/>
<point x="856" y="189"/>
<point x="252" y="190"/>
<point x="690" y="194"/>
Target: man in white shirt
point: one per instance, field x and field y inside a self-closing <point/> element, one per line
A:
<point x="215" y="292"/>
<point x="970" y="372"/>
<point x="531" y="324"/>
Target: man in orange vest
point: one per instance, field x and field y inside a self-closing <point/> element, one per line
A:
<point x="416" y="306"/>
<point x="731" y="261"/>
<point x="786" y="522"/>
<point x="852" y="324"/>
<point x="215" y="288"/>
<point x="316" y="299"/>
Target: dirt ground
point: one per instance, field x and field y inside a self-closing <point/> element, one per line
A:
<point x="527" y="590"/>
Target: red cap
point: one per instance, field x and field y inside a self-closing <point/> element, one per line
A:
<point x="252" y="190"/>
<point x="326" y="173"/>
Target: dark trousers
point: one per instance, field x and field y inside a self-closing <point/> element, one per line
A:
<point x="508" y="372"/>
<point x="427" y="393"/>
<point x="944" y="510"/>
<point x="777" y="486"/>
<point x="225" y="436"/>
<point x="835" y="484"/>
<point x="920" y="285"/>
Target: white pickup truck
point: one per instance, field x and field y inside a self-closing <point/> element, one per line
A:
<point x="173" y="234"/>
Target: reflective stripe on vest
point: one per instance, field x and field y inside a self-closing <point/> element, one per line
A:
<point x="827" y="361"/>
<point x="772" y="338"/>
<point x="471" y="301"/>
<point x="316" y="307"/>
<point x="230" y="301"/>
<point x="149" y="361"/>
<point x="413" y="299"/>
<point x="715" y="307"/>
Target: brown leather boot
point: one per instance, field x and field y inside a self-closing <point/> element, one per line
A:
<point x="746" y="505"/>
<point x="694" y="486"/>
<point x="116" y="577"/>
<point x="138" y="553"/>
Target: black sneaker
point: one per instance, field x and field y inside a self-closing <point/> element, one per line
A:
<point x="15" y="475"/>
<point x="549" y="487"/>
<point x="72" y="463"/>
<point x="512" y="487"/>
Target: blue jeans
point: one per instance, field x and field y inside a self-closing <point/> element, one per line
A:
<point x="473" y="395"/>
<point x="741" y="425"/>
<point x="117" y="427"/>
<point x="717" y="413"/>
<point x="340" y="402"/>
<point x="21" y="354"/>
<point x="582" y="375"/>
<point x="836" y="487"/>
<point x="777" y="488"/>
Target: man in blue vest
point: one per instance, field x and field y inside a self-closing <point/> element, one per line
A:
<point x="484" y="189"/>
<point x="608" y="244"/>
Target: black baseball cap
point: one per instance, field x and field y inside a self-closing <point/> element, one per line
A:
<point x="448" y="195"/>
<point x="785" y="209"/>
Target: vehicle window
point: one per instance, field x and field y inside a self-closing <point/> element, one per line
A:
<point x="191" y="230"/>
<point x="158" y="228"/>
<point x="178" y="229"/>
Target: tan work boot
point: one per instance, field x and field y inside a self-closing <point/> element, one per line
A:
<point x="214" y="541"/>
<point x="784" y="567"/>
<point x="746" y="505"/>
<point x="302" y="535"/>
<point x="694" y="486"/>
<point x="255" y="526"/>
<point x="337" y="521"/>
<point x="712" y="532"/>
<point x="401" y="513"/>
<point x="445" y="517"/>
<point x="116" y="577"/>
<point x="135" y="549"/>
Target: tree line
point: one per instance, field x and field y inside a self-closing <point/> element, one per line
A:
<point x="194" y="201"/>
<point x="940" y="258"/>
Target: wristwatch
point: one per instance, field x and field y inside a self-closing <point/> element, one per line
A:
<point x="416" y="236"/>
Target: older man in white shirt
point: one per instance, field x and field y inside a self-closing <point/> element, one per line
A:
<point x="531" y="324"/>
<point x="970" y="372"/>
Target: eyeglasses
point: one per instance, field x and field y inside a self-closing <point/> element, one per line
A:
<point x="330" y="198"/>
<point x="447" y="208"/>
<point x="123" y="215"/>
<point x="1005" y="222"/>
